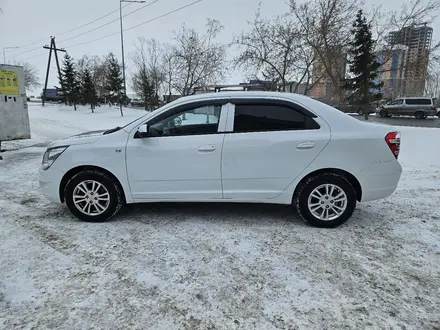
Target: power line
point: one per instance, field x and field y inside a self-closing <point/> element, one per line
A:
<point x="66" y="32"/>
<point x="161" y="16"/>
<point x="117" y="33"/>
<point x="98" y="19"/>
<point x="133" y="27"/>
<point x="106" y="24"/>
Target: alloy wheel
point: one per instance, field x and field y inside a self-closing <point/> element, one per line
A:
<point x="91" y="197"/>
<point x="327" y="202"/>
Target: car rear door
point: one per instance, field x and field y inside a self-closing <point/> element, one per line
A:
<point x="268" y="143"/>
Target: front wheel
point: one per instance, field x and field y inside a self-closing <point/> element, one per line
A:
<point x="383" y="113"/>
<point x="93" y="196"/>
<point x="326" y="200"/>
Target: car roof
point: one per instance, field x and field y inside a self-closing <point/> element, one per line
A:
<point x="331" y="115"/>
<point x="298" y="98"/>
<point x="415" y="97"/>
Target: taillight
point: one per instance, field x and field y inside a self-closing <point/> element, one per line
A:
<point x="393" y="141"/>
<point x="433" y="108"/>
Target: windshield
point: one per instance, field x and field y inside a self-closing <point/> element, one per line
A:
<point x="144" y="116"/>
<point x="133" y="121"/>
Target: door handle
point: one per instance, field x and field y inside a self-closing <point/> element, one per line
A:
<point x="306" y="145"/>
<point x="207" y="148"/>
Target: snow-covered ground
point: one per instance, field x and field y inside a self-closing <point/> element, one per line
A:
<point x="201" y="266"/>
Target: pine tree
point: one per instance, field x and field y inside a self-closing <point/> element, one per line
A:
<point x="69" y="81"/>
<point x="363" y="65"/>
<point x="88" y="90"/>
<point x="115" y="81"/>
<point x="144" y="86"/>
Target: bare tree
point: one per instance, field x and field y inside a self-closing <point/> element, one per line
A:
<point x="31" y="75"/>
<point x="170" y="71"/>
<point x="97" y="66"/>
<point x="325" y="29"/>
<point x="274" y="50"/>
<point x="432" y="87"/>
<point x="198" y="58"/>
<point x="149" y="76"/>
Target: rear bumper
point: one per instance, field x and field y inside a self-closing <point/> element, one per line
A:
<point x="376" y="185"/>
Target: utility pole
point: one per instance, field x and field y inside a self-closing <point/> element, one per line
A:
<point x="52" y="48"/>
<point x="122" y="42"/>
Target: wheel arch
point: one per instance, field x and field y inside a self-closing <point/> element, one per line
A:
<point x="350" y="177"/>
<point x="74" y="171"/>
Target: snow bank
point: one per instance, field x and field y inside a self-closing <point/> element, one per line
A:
<point x="191" y="266"/>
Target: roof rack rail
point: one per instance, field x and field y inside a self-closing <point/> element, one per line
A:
<point x="262" y="86"/>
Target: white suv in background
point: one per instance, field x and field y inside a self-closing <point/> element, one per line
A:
<point x="252" y="147"/>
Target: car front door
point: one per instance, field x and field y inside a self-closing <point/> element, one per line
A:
<point x="179" y="157"/>
<point x="270" y="143"/>
<point x="397" y="107"/>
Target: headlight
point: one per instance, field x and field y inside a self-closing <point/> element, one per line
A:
<point x="51" y="155"/>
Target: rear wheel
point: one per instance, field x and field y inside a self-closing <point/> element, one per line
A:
<point x="93" y="196"/>
<point x="326" y="200"/>
<point x="420" y="115"/>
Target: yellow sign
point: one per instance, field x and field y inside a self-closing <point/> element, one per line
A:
<point x="8" y="82"/>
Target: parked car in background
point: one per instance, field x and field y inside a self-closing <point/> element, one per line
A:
<point x="137" y="103"/>
<point x="352" y="108"/>
<point x="247" y="147"/>
<point x="419" y="107"/>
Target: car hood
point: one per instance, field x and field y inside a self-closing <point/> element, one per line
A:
<point x="83" y="138"/>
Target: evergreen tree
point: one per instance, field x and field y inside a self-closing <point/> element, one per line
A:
<point x="115" y="81"/>
<point x="363" y="65"/>
<point x="144" y="86"/>
<point x="69" y="81"/>
<point x="88" y="90"/>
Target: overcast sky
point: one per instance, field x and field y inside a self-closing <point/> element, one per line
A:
<point x="32" y="22"/>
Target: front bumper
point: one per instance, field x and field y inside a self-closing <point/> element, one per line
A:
<point x="50" y="184"/>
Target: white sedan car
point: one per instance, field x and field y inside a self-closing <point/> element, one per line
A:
<point x="247" y="147"/>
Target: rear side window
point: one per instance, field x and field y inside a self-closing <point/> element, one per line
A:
<point x="418" y="101"/>
<point x="273" y="117"/>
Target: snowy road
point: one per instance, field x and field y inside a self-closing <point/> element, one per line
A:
<point x="201" y="266"/>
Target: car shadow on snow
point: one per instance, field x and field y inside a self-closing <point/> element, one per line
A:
<point x="216" y="213"/>
<point x="210" y="212"/>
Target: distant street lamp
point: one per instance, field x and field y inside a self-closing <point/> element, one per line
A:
<point x="4" y="53"/>
<point x="122" y="41"/>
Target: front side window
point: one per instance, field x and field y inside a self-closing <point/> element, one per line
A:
<point x="196" y="121"/>
<point x="262" y="118"/>
<point x="396" y="102"/>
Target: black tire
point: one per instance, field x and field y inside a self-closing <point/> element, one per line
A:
<point x="420" y="115"/>
<point x="383" y="113"/>
<point x="361" y="112"/>
<point x="305" y="190"/>
<point x="115" y="193"/>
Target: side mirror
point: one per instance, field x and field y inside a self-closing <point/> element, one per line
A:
<point x="142" y="132"/>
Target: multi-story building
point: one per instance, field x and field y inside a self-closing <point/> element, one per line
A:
<point x="392" y="70"/>
<point x="323" y="87"/>
<point x="418" y="40"/>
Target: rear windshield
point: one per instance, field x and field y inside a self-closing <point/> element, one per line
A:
<point x="419" y="101"/>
